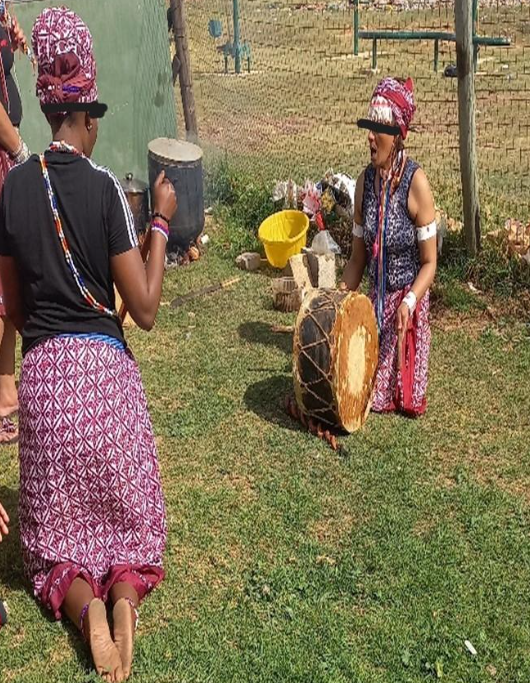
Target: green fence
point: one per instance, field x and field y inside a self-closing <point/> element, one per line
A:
<point x="134" y="76"/>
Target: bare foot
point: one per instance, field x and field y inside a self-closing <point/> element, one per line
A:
<point x="8" y="408"/>
<point x="124" y="619"/>
<point x="104" y="653"/>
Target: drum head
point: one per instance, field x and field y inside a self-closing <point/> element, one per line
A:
<point x="357" y="350"/>
<point x="169" y="151"/>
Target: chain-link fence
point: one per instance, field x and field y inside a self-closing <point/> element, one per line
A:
<point x="293" y="114"/>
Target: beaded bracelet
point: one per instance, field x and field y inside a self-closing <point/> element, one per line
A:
<point x="157" y="214"/>
<point x="82" y="618"/>
<point x="156" y="226"/>
<point x="21" y="154"/>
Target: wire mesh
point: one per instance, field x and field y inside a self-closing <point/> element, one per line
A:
<point x="294" y="114"/>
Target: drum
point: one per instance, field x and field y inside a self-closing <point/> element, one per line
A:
<point x="336" y="350"/>
<point x="182" y="163"/>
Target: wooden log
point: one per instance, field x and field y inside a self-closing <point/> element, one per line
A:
<point x="286" y="296"/>
<point x="299" y="268"/>
<point x="467" y="124"/>
<point x="178" y="18"/>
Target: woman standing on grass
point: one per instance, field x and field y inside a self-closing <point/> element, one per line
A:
<point x="12" y="151"/>
<point x="394" y="236"/>
<point x="92" y="516"/>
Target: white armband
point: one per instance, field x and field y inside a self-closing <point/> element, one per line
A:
<point x="357" y="230"/>
<point x="426" y="232"/>
<point x="411" y="301"/>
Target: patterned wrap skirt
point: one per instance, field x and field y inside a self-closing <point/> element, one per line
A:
<point x="403" y="391"/>
<point x="91" y="503"/>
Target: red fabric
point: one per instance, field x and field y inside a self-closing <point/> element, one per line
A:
<point x="142" y="578"/>
<point x="64" y="50"/>
<point x="389" y="395"/>
<point x="400" y="97"/>
<point x="65" y="80"/>
<point x="403" y="400"/>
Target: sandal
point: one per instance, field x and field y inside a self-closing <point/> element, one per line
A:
<point x="8" y="432"/>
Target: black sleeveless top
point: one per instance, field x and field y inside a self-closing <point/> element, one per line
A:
<point x="13" y="104"/>
<point x="403" y="254"/>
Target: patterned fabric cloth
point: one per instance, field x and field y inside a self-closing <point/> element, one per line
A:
<point x="405" y="391"/>
<point x="391" y="94"/>
<point x="91" y="503"/>
<point x="63" y="47"/>
<point x="389" y="392"/>
<point x="402" y="251"/>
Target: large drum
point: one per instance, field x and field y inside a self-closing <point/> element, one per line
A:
<point x="182" y="162"/>
<point x="335" y="358"/>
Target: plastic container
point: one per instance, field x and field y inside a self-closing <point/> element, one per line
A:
<point x="283" y="235"/>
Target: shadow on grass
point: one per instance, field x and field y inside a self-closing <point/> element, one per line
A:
<point x="11" y="571"/>
<point x="266" y="399"/>
<point x="259" y="332"/>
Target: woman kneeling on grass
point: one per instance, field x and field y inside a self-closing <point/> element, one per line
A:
<point x="394" y="235"/>
<point x="92" y="516"/>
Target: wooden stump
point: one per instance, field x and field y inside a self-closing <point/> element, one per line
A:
<point x="286" y="296"/>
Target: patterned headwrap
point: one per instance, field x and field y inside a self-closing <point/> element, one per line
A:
<point x="63" y="47"/>
<point x="393" y="101"/>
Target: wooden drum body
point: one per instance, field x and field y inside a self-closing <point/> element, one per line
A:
<point x="336" y="351"/>
<point x="182" y="163"/>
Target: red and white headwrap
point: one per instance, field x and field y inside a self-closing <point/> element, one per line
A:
<point x="393" y="102"/>
<point x="63" y="47"/>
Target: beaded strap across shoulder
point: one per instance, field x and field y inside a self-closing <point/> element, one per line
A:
<point x="85" y="293"/>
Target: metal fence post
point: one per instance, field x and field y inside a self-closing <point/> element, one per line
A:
<point x="237" y="37"/>
<point x="356" y="27"/>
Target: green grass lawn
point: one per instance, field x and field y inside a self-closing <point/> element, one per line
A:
<point x="288" y="563"/>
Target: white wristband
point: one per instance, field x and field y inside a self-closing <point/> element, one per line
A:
<point x="411" y="301"/>
<point x="357" y="230"/>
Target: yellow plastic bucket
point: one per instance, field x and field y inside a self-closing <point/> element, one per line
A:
<point x="283" y="235"/>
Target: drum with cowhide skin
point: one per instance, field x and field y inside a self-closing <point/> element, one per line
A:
<point x="335" y="358"/>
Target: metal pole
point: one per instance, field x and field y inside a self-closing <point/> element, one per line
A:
<point x="356" y="27"/>
<point x="467" y="123"/>
<point x="475" y="17"/>
<point x="237" y="37"/>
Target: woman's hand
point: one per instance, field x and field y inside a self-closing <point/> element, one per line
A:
<point x="4" y="521"/>
<point x="402" y="323"/>
<point x="18" y="39"/>
<point x="164" y="197"/>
